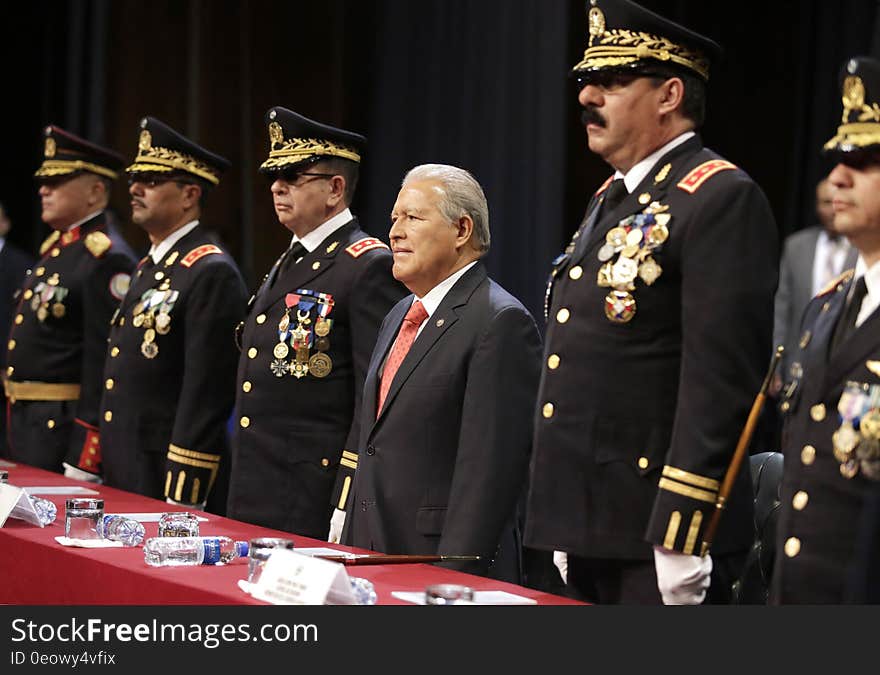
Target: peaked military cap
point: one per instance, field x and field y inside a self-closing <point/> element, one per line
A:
<point x="627" y="37"/>
<point x="65" y="154"/>
<point x="859" y="128"/>
<point x="295" y="140"/>
<point x="161" y="149"/>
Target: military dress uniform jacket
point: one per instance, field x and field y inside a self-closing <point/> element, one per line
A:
<point x="823" y="498"/>
<point x="637" y="420"/>
<point x="57" y="344"/>
<point x="293" y="432"/>
<point x="169" y="375"/>
<point x="442" y="468"/>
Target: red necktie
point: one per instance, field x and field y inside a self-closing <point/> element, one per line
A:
<point x="407" y="335"/>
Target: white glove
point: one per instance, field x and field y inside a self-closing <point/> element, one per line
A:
<point x="197" y="507"/>
<point x="337" y="521"/>
<point x="682" y="579"/>
<point x="560" y="559"/>
<point x="76" y="473"/>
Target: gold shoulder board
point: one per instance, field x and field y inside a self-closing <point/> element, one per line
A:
<point x="360" y="247"/>
<point x="700" y="174"/>
<point x="49" y="241"/>
<point x="197" y="253"/>
<point x="98" y="243"/>
<point x="832" y="285"/>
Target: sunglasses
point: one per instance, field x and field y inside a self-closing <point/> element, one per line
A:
<point x="293" y="177"/>
<point x="153" y="180"/>
<point x="612" y="79"/>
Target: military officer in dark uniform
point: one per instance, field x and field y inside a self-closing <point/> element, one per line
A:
<point x="308" y="337"/>
<point x="169" y="375"/>
<point x="59" y="332"/>
<point x="659" y="319"/>
<point x="832" y="427"/>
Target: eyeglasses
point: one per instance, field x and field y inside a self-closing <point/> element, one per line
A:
<point x="154" y="180"/>
<point x="293" y="177"/>
<point x="612" y="79"/>
<point x="859" y="159"/>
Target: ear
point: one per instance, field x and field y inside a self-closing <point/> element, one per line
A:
<point x="671" y="95"/>
<point x="97" y="192"/>
<point x="191" y="195"/>
<point x="465" y="228"/>
<point x="337" y="191"/>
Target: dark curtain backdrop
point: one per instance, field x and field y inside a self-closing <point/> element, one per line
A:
<point x="477" y="83"/>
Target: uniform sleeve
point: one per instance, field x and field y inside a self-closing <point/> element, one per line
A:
<point x="729" y="276"/>
<point x="374" y="293"/>
<point x="495" y="439"/>
<point x="214" y="306"/>
<point x="102" y="292"/>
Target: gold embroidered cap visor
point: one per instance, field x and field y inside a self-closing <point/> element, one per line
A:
<point x="295" y="141"/>
<point x="858" y="135"/>
<point x="161" y="149"/>
<point x="627" y="37"/>
<point x="65" y="154"/>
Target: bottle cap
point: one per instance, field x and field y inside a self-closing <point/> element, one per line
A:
<point x="84" y="503"/>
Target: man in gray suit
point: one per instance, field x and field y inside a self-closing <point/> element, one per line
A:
<point x="811" y="258"/>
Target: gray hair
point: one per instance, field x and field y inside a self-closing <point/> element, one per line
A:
<point x="462" y="196"/>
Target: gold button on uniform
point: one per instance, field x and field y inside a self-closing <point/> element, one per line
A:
<point x="817" y="412"/>
<point x="325" y="462"/>
<point x="50" y="424"/>
<point x="548" y="410"/>
<point x="553" y="362"/>
<point x="9" y="371"/>
<point x="28" y="294"/>
<point x="108" y="415"/>
<point x="799" y="502"/>
<point x="643" y="463"/>
<point x="785" y="406"/>
<point x="808" y="455"/>
<point x="55" y="253"/>
<point x="792" y="546"/>
<point x="576" y="272"/>
<point x="121" y="320"/>
<point x="252" y="353"/>
<point x="18" y="319"/>
<point x="261" y="319"/>
<point x="40" y="271"/>
<point x="805" y="339"/>
<point x="114" y="352"/>
<point x="246" y="387"/>
<point x="245" y="422"/>
<point x="11" y="345"/>
<point x="109" y="383"/>
<point x="562" y="315"/>
<point x="316" y="265"/>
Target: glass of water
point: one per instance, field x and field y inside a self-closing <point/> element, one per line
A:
<point x="259" y="550"/>
<point x="81" y="518"/>
<point x="178" y="524"/>
<point x="449" y="594"/>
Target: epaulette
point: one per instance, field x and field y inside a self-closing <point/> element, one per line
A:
<point x="361" y="246"/>
<point x="197" y="253"/>
<point x="836" y="283"/>
<point x="700" y="174"/>
<point x="49" y="241"/>
<point x="98" y="243"/>
<point x="604" y="185"/>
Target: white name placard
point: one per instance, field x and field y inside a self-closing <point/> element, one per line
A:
<point x="14" y="502"/>
<point x="291" y="578"/>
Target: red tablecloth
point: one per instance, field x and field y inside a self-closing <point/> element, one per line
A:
<point x="35" y="569"/>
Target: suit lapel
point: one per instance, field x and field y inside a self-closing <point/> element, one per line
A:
<point x="437" y="325"/>
<point x="858" y="346"/>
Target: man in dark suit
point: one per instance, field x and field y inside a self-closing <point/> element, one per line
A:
<point x="832" y="432"/>
<point x="59" y="333"/>
<point x="14" y="264"/>
<point x="307" y="339"/>
<point x="811" y="258"/>
<point x="446" y="414"/>
<point x="659" y="323"/>
<point x="169" y="374"/>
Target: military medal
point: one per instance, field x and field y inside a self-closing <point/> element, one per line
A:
<point x="163" y="323"/>
<point x="58" y="310"/>
<point x="42" y="313"/>
<point x="320" y="365"/>
<point x="649" y="271"/>
<point x="149" y="335"/>
<point x="281" y="351"/>
<point x="322" y="344"/>
<point x="149" y="349"/>
<point x="620" y="306"/>
<point x="138" y="320"/>
<point x="322" y="327"/>
<point x="278" y="367"/>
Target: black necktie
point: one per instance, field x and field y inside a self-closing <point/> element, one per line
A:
<point x="846" y="325"/>
<point x="613" y="196"/>
<point x="289" y="259"/>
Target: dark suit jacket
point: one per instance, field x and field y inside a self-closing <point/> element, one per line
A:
<point x="816" y="540"/>
<point x="166" y="432"/>
<point x="294" y="435"/>
<point x="441" y="469"/>
<point x="637" y="421"/>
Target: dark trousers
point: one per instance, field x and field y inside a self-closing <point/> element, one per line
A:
<point x="605" y="581"/>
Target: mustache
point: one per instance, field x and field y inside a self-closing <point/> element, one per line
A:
<point x="139" y="203"/>
<point x="592" y="116"/>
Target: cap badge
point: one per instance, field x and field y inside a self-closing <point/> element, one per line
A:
<point x="50" y="147"/>
<point x="276" y="135"/>
<point x="853" y="92"/>
<point x="596" y="20"/>
<point x="145" y="142"/>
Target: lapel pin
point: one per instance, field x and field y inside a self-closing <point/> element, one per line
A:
<point x="316" y="264"/>
<point x="440" y="322"/>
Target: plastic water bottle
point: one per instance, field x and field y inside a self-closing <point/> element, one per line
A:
<point x="172" y="551"/>
<point x="119" y="528"/>
<point x="46" y="510"/>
